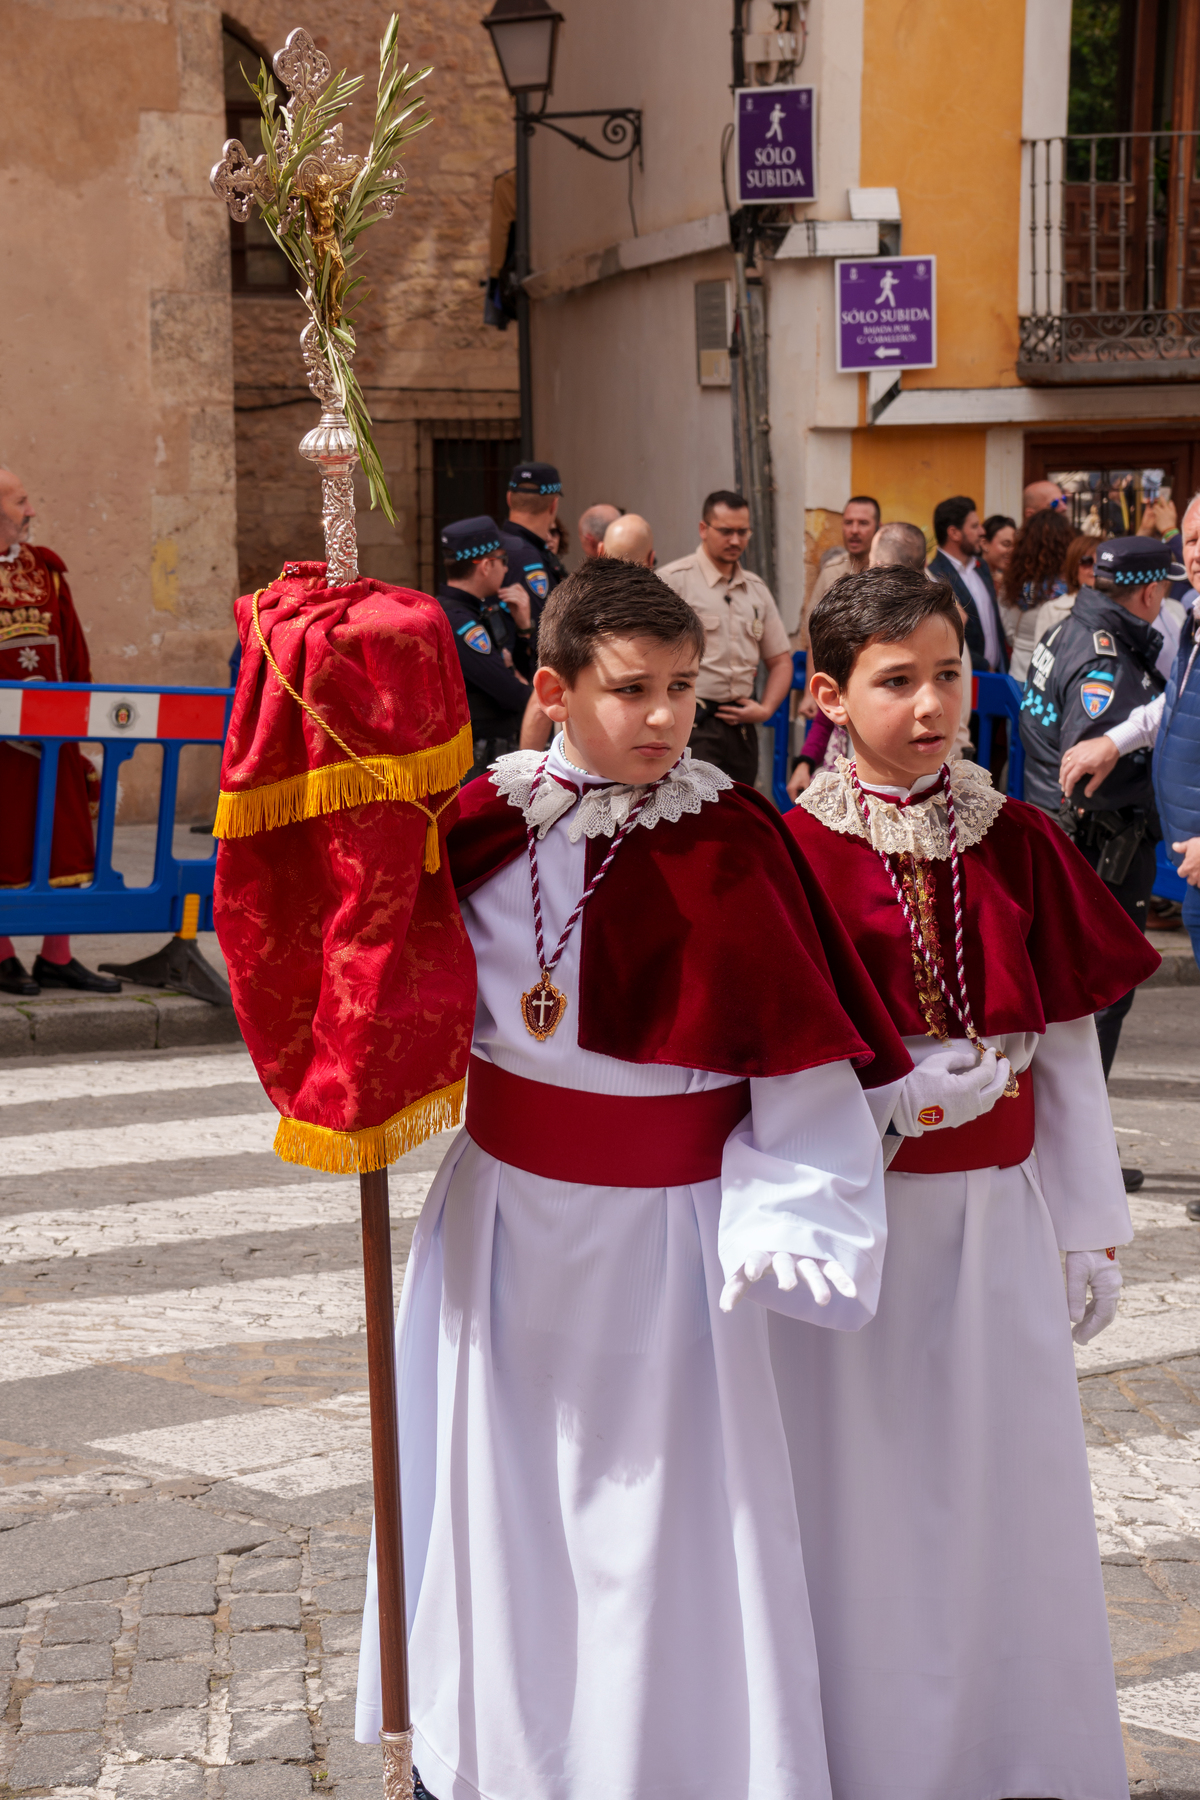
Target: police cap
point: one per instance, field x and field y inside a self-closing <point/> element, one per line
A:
<point x="468" y="539"/>
<point x="534" y="478"/>
<point x="1132" y="562"/>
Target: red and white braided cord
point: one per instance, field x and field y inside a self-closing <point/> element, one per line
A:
<point x="597" y="878"/>
<point x="963" y="1012"/>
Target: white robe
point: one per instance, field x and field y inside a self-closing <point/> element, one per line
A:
<point x="605" y="1583"/>
<point x="942" y="1480"/>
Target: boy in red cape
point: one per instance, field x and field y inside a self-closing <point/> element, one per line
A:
<point x="941" y="1477"/>
<point x="606" y="1591"/>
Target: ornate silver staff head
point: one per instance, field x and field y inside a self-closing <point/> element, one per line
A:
<point x="315" y="197"/>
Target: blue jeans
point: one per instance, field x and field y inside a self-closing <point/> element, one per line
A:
<point x="1191" y="919"/>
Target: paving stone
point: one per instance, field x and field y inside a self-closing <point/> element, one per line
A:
<point x="108" y="1541"/>
<point x="281" y="1546"/>
<point x="82" y="1624"/>
<point x="73" y="1662"/>
<point x="268" y="1650"/>
<point x="12" y="1615"/>
<point x="261" y="1734"/>
<point x="158" y="1684"/>
<point x="46" y="1709"/>
<point x="341" y="1596"/>
<point x="338" y="1715"/>
<point x="268" y="1781"/>
<point x="166" y="1733"/>
<point x="341" y="1632"/>
<point x="248" y="1611"/>
<point x="92" y="1591"/>
<point x="336" y="1562"/>
<point x="66" y="1759"/>
<point x="349" y="1761"/>
<point x="274" y="1577"/>
<point x="282" y="1689"/>
<point x="159" y="1637"/>
<point x="179" y="1597"/>
<point x="174" y="1780"/>
<point x="10" y="1643"/>
<point x="200" y="1568"/>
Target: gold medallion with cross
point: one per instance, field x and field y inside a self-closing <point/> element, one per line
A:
<point x="542" y="1008"/>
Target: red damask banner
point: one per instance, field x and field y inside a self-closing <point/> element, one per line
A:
<point x="351" y="971"/>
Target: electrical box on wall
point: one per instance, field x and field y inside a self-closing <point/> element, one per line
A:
<point x="713" y="323"/>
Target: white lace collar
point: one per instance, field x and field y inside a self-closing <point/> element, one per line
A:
<point x="601" y="807"/>
<point x="917" y="826"/>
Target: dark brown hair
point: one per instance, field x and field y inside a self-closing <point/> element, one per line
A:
<point x="1038" y="559"/>
<point x="611" y="598"/>
<point x="884" y="605"/>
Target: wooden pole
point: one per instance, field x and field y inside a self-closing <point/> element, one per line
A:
<point x="396" y="1735"/>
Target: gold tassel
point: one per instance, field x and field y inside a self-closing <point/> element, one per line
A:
<point x="375" y="1146"/>
<point x="241" y="812"/>
<point x="433" y="849"/>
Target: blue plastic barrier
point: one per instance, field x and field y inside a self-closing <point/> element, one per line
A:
<point x="56" y="713"/>
<point x="781" y="724"/>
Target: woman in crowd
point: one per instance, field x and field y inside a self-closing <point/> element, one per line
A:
<point x="999" y="536"/>
<point x="1036" y="576"/>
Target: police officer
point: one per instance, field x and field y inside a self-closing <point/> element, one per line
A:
<point x="534" y="489"/>
<point x="487" y="635"/>
<point x="1088" y="674"/>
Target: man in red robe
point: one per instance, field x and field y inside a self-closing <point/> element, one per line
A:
<point x="41" y="639"/>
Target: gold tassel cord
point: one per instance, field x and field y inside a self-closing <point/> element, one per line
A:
<point x="374" y="1146"/>
<point x="243" y="812"/>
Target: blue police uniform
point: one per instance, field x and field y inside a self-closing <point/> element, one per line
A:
<point x="1087" y="674"/>
<point x="487" y="640"/>
<point x="531" y="562"/>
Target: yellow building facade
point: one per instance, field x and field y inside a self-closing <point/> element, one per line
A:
<point x="1045" y="154"/>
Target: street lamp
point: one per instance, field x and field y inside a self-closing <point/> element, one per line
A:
<point x="524" y="35"/>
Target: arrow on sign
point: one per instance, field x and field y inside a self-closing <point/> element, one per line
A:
<point x="882" y="352"/>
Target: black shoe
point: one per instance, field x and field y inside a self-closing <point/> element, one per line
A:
<point x="420" y="1791"/>
<point x="73" y="975"/>
<point x="16" y="979"/>
<point x="1133" y="1178"/>
<point x="1193" y="1211"/>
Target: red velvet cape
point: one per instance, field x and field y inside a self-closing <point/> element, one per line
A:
<point x="47" y="644"/>
<point x="1044" y="940"/>
<point x="350" y="967"/>
<point x="701" y="948"/>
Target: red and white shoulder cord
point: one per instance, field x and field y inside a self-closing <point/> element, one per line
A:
<point x="961" y="1011"/>
<point x="543" y="1006"/>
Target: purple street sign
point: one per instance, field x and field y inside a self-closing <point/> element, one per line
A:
<point x="887" y="313"/>
<point x="776" y="145"/>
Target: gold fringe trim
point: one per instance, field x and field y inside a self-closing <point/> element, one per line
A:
<point x="242" y="812"/>
<point x="358" y="1152"/>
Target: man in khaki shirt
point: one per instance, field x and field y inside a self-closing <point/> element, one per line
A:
<point x="742" y="628"/>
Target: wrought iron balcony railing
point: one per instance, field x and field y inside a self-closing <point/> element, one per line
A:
<point x="1110" y="258"/>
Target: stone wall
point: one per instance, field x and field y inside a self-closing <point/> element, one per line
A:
<point x="115" y="335"/>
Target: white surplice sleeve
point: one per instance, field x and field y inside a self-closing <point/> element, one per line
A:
<point x="1078" y="1168"/>
<point x="804" y="1172"/>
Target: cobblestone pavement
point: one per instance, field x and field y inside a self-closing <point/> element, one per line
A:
<point x="184" y="1468"/>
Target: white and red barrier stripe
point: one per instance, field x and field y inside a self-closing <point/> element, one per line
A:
<point x="41" y="711"/>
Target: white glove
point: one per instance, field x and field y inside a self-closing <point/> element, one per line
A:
<point x="950" y="1088"/>
<point x="1101" y="1270"/>
<point x="788" y="1271"/>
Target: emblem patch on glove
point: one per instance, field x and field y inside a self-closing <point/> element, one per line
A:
<point x="930" y="1115"/>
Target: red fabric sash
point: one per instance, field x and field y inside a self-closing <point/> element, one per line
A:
<point x="999" y="1140"/>
<point x="601" y="1140"/>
